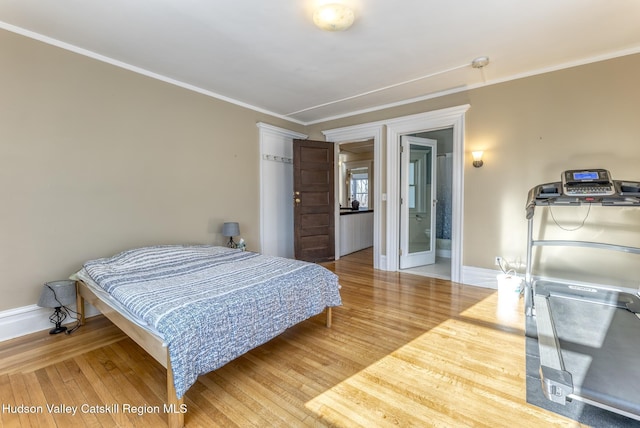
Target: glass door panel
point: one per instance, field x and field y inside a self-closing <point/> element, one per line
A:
<point x="418" y="202"/>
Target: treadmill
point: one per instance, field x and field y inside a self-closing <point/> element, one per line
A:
<point x="583" y="341"/>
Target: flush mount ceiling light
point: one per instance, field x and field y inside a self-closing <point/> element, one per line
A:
<point x="333" y="17"/>
<point x="480" y="62"/>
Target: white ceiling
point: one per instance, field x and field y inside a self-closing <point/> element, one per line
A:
<point x="267" y="55"/>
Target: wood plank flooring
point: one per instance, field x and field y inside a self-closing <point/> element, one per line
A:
<point x="404" y="350"/>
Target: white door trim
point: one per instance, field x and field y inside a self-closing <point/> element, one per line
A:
<point x="439" y="119"/>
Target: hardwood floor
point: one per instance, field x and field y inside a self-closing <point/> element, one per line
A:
<point x="404" y="350"/>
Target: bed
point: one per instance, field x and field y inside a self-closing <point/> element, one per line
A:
<point x="195" y="308"/>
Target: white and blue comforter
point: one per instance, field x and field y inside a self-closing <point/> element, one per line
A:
<point x="213" y="304"/>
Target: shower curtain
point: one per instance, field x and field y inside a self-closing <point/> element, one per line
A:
<point x="443" y="194"/>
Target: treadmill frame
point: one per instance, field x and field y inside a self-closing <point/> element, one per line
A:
<point x="557" y="383"/>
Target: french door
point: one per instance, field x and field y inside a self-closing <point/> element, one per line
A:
<point x="417" y="201"/>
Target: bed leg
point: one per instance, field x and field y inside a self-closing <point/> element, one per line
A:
<point x="80" y="305"/>
<point x="329" y="316"/>
<point x="175" y="406"/>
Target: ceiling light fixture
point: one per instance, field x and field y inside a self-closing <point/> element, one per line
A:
<point x="333" y="17"/>
<point x="480" y="62"/>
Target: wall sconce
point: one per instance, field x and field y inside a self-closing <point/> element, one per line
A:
<point x="477" y="158"/>
<point x="231" y="229"/>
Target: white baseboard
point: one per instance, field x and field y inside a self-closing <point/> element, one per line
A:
<point x="478" y="277"/>
<point x="30" y="319"/>
<point x="383" y="262"/>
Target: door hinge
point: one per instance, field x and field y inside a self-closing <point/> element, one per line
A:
<point x="401" y="251"/>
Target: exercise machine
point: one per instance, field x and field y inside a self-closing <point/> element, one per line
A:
<point x="587" y="338"/>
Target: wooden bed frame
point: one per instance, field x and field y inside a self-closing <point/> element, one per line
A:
<point x="148" y="341"/>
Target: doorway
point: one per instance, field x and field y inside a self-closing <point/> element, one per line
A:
<point x="356" y="194"/>
<point x="438" y="232"/>
<point x="449" y="118"/>
<point x="371" y="132"/>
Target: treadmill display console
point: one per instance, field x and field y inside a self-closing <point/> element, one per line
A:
<point x="592" y="182"/>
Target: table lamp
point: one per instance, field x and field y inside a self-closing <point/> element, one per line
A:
<point x="231" y="229"/>
<point x="58" y="295"/>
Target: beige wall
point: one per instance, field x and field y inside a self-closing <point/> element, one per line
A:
<point x="95" y="159"/>
<point x="531" y="130"/>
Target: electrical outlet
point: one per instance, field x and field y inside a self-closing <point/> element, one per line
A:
<point x="498" y="261"/>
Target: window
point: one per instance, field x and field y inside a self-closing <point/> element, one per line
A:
<point x="360" y="186"/>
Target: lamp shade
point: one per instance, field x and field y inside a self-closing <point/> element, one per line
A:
<point x="477" y="158"/>
<point x="230" y="229"/>
<point x="56" y="294"/>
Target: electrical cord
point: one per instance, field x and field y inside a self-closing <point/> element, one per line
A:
<point x="507" y="272"/>
<point x="501" y="267"/>
<point x="67" y="312"/>
<point x="568" y="229"/>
